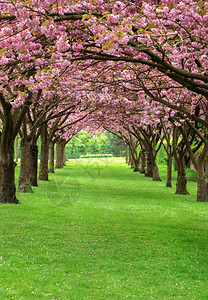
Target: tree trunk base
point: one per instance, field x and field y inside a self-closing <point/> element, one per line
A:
<point x="182" y="193"/>
<point x="169" y="184"/>
<point x="24" y="176"/>
<point x="43" y="178"/>
<point x="4" y="200"/>
<point x="33" y="181"/>
<point x="25" y="188"/>
<point x="181" y="186"/>
<point x="202" y="190"/>
<point x="7" y="185"/>
<point x="204" y="200"/>
<point x="148" y="174"/>
<point x="156" y="179"/>
<point x="34" y="165"/>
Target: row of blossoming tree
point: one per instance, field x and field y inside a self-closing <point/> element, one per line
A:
<point x="135" y="68"/>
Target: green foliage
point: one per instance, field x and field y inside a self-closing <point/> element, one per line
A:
<point x="116" y="146"/>
<point x="85" y="144"/>
<point x="162" y="156"/>
<point x="98" y="230"/>
<point x="191" y="174"/>
<point x="101" y="143"/>
<point x="96" y="156"/>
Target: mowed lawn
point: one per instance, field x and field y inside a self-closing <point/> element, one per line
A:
<point x="97" y="230"/>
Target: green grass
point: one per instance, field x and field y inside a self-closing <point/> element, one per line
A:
<point x="96" y="155"/>
<point x="99" y="231"/>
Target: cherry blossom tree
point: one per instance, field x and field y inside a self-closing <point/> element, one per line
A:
<point x="150" y="47"/>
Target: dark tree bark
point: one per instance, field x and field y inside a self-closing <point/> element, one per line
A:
<point x="10" y="126"/>
<point x="65" y="157"/>
<point x="7" y="171"/>
<point x="24" y="176"/>
<point x="181" y="185"/>
<point x="131" y="161"/>
<point x="202" y="185"/>
<point x="43" y="170"/>
<point x="7" y="164"/>
<point x="142" y="163"/>
<point x="16" y="149"/>
<point x="199" y="164"/>
<point x="60" y="154"/>
<point x="134" y="158"/>
<point x="127" y="154"/>
<point x="152" y="143"/>
<point x="149" y="170"/>
<point x="136" y="165"/>
<point x="51" y="158"/>
<point x="34" y="164"/>
<point x="169" y="171"/>
<point x="130" y="157"/>
<point x="179" y="150"/>
<point x="168" y="147"/>
<point x="132" y="165"/>
<point x="155" y="171"/>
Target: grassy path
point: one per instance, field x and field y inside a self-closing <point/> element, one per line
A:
<point x="99" y="231"/>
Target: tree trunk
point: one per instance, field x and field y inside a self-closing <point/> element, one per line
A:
<point x="181" y="186"/>
<point x="51" y="158"/>
<point x="149" y="169"/>
<point x="59" y="155"/>
<point x="127" y="154"/>
<point x="65" y="157"/>
<point x="134" y="158"/>
<point x="24" y="176"/>
<point x="136" y="165"/>
<point x="130" y="158"/>
<point x="169" y="171"/>
<point x="7" y="140"/>
<point x="7" y="173"/>
<point x="132" y="163"/>
<point x="155" y="171"/>
<point x="43" y="171"/>
<point x="202" y="186"/>
<point x="16" y="149"/>
<point x="34" y="165"/>
<point x="142" y="161"/>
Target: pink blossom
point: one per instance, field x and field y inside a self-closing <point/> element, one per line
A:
<point x="34" y="22"/>
<point x="39" y="61"/>
<point x="3" y="60"/>
<point x="42" y="85"/>
<point x="65" y="63"/>
<point x="166" y="9"/>
<point x="124" y="40"/>
<point x="7" y="31"/>
<point x="62" y="45"/>
<point x="56" y="56"/>
<point x="17" y="102"/>
<point x="22" y="14"/>
<point x="11" y="8"/>
<point x="24" y="57"/>
<point x="112" y="20"/>
<point x="77" y="47"/>
<point x="117" y="7"/>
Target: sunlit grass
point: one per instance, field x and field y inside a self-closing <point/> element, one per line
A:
<point x="97" y="230"/>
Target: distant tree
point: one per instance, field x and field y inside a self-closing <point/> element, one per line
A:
<point x="116" y="147"/>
